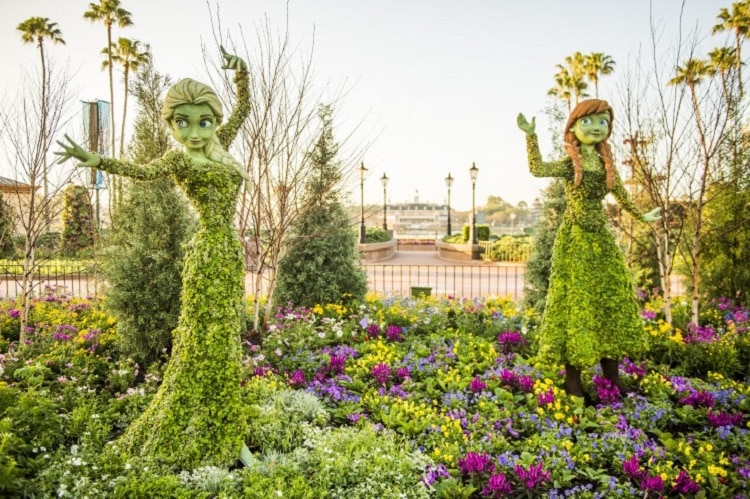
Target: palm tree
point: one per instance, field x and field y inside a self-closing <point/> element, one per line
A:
<point x="738" y="21"/>
<point x="595" y="64"/>
<point x="36" y="29"/>
<point x="722" y="62"/>
<point x="562" y="89"/>
<point x="109" y="12"/>
<point x="127" y="53"/>
<point x="691" y="74"/>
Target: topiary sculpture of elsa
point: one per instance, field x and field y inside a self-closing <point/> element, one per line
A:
<point x="591" y="314"/>
<point x="196" y="417"/>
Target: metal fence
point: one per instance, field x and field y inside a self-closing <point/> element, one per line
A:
<point x="460" y="281"/>
<point x="48" y="279"/>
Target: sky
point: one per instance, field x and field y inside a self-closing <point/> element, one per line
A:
<point x="432" y="86"/>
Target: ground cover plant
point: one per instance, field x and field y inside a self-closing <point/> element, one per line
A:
<point x="389" y="398"/>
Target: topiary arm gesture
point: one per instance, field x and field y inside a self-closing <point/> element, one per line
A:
<point x="228" y="131"/>
<point x="541" y="168"/>
<point x="622" y="197"/>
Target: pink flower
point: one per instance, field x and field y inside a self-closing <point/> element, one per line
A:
<point x="477" y="385"/>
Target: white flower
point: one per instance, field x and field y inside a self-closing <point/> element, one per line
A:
<point x="76" y="461"/>
<point x="128" y="466"/>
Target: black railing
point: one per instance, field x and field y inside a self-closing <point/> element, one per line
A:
<point x="47" y="279"/>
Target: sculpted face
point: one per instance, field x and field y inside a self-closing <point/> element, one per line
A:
<point x="592" y="129"/>
<point x="193" y="125"/>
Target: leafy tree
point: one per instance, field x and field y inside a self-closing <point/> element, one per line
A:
<point x="6" y="227"/>
<point x="77" y="219"/>
<point x="323" y="264"/>
<point x="145" y="251"/>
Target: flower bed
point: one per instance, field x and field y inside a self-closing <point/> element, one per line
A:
<point x="396" y="398"/>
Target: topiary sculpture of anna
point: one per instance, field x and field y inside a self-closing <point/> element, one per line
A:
<point x="195" y="419"/>
<point x="591" y="314"/>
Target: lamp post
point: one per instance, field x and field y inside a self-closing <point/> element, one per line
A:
<point x="384" y="180"/>
<point x="512" y="224"/>
<point x="362" y="232"/>
<point x="448" y="184"/>
<point x="473" y="171"/>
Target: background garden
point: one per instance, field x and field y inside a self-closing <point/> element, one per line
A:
<point x="351" y="394"/>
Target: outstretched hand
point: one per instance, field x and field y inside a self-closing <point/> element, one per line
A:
<point x="232" y="61"/>
<point x="73" y="150"/>
<point x="653" y="215"/>
<point x="527" y="127"/>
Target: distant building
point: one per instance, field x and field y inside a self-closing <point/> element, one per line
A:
<point x="419" y="217"/>
<point x="17" y="195"/>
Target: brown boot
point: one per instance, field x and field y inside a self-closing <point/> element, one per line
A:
<point x="573" y="385"/>
<point x="611" y="371"/>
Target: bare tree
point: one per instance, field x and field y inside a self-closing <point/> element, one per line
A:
<point x="28" y="125"/>
<point x="676" y="125"/>
<point x="275" y="146"/>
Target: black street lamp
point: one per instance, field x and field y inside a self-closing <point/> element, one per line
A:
<point x="448" y="184"/>
<point x="362" y="232"/>
<point x="473" y="171"/>
<point x="384" y="180"/>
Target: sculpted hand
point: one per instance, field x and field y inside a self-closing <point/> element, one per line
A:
<point x="232" y="61"/>
<point x="73" y="150"/>
<point x="653" y="215"/>
<point x="524" y="125"/>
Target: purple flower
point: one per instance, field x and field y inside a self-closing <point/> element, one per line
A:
<point x="653" y="483"/>
<point x="547" y="397"/>
<point x="607" y="391"/>
<point x="403" y="372"/>
<point x="373" y="330"/>
<point x="648" y="314"/>
<point x="497" y="485"/>
<point x="381" y="372"/>
<point x="685" y="485"/>
<point x="508" y="377"/>
<point x="533" y="476"/>
<point x="433" y="472"/>
<point x="631" y="467"/>
<point x="354" y="417"/>
<point x="475" y="462"/>
<point x="700" y="334"/>
<point x="14" y="314"/>
<point x="720" y="418"/>
<point x="525" y="383"/>
<point x="64" y="332"/>
<point x="509" y="340"/>
<point x="297" y="378"/>
<point x="394" y="333"/>
<point x="336" y="364"/>
<point x="477" y="385"/>
<point x="698" y="399"/>
<point x="92" y="334"/>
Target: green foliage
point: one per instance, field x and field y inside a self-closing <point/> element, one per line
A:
<point x="6" y="228"/>
<point x="540" y="261"/>
<point x="142" y="266"/>
<point x="511" y="249"/>
<point x="377" y="235"/>
<point x="77" y="219"/>
<point x="483" y="232"/>
<point x="146" y="247"/>
<point x="322" y="265"/>
<point x="725" y="261"/>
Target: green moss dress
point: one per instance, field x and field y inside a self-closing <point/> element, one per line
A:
<point x="195" y="419"/>
<point x="591" y="310"/>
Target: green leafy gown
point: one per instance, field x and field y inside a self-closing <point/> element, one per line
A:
<point x="195" y="419"/>
<point x="591" y="310"/>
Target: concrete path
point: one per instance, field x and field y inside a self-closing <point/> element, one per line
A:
<point x="432" y="258"/>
